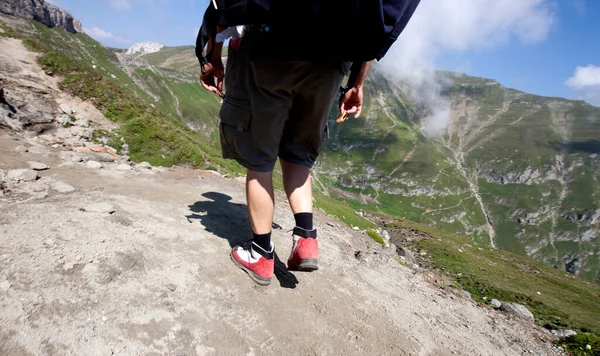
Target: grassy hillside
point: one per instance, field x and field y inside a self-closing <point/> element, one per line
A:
<point x="91" y="71"/>
<point x="557" y="299"/>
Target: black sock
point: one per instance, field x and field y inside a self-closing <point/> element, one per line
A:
<point x="304" y="220"/>
<point x="263" y="241"/>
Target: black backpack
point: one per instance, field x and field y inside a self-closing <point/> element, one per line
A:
<point x="355" y="30"/>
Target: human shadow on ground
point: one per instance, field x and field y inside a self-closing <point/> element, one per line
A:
<point x="229" y="221"/>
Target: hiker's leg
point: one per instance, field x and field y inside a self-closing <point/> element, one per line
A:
<point x="297" y="185"/>
<point x="259" y="196"/>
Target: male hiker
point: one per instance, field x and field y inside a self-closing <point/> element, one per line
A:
<point x="280" y="82"/>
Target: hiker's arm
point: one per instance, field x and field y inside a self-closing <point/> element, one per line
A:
<point x="211" y="76"/>
<point x="358" y="73"/>
<point x="352" y="99"/>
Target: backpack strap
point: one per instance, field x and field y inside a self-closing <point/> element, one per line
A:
<point x="207" y="30"/>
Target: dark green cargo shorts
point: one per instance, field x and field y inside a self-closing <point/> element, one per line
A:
<point x="275" y="108"/>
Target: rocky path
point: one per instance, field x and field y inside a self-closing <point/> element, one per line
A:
<point x="100" y="256"/>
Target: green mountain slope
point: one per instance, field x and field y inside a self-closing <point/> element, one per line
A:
<point x="384" y="162"/>
<point x="513" y="170"/>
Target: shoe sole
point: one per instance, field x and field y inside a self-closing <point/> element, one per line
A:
<point x="256" y="278"/>
<point x="307" y="265"/>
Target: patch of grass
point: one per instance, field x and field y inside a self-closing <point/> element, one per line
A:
<point x="558" y="300"/>
<point x="342" y="211"/>
<point x="375" y="236"/>
<point x="582" y="344"/>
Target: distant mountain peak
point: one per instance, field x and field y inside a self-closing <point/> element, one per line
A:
<point x="140" y="49"/>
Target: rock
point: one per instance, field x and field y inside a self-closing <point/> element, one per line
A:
<point x="407" y="254"/>
<point x="68" y="266"/>
<point x="5" y="286"/>
<point x="124" y="167"/>
<point x="38" y="166"/>
<point x="66" y="109"/>
<point x="87" y="133"/>
<point x="104" y="157"/>
<point x="496" y="303"/>
<point x="144" y="165"/>
<point x="563" y="333"/>
<point x="82" y="123"/>
<point x="517" y="310"/>
<point x="41" y="11"/>
<point x="99" y="208"/>
<point x="171" y="287"/>
<point x="466" y="293"/>
<point x="21" y="175"/>
<point x="49" y="242"/>
<point x="62" y="187"/>
<point x="64" y="120"/>
<point x="21" y="149"/>
<point x="94" y="164"/>
<point x="356" y="228"/>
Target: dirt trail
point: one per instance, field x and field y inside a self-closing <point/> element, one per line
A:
<point x="135" y="261"/>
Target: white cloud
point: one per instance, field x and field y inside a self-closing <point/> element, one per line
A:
<point x="120" y="5"/>
<point x="105" y="36"/>
<point x="584" y="77"/>
<point x="453" y="26"/>
<point x="585" y="82"/>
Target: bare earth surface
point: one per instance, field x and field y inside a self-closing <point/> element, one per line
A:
<point x="133" y="260"/>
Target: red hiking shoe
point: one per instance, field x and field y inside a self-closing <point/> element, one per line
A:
<point x="305" y="251"/>
<point x="258" y="263"/>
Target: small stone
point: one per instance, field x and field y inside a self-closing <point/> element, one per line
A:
<point x="38" y="166"/>
<point x="5" y="286"/>
<point x="588" y="347"/>
<point x="66" y="109"/>
<point x="144" y="165"/>
<point x="104" y="157"/>
<point x="78" y="258"/>
<point x="87" y="133"/>
<point x="82" y="123"/>
<point x="64" y="120"/>
<point x="21" y="149"/>
<point x="21" y="175"/>
<point x="124" y="167"/>
<point x="94" y="164"/>
<point x="49" y="242"/>
<point x="563" y="333"/>
<point x="171" y="287"/>
<point x="99" y="208"/>
<point x="466" y="293"/>
<point x="496" y="303"/>
<point x="68" y="266"/>
<point x="356" y="228"/>
<point x="517" y="310"/>
<point x="104" y="318"/>
<point x="113" y="76"/>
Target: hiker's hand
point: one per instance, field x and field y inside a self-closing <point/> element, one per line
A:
<point x="212" y="78"/>
<point x="352" y="101"/>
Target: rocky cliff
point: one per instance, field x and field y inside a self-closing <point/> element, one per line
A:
<point x="46" y="13"/>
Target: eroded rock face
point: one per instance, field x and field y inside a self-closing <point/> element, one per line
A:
<point x="46" y="13"/>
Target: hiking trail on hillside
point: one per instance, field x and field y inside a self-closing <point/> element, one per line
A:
<point x="101" y="256"/>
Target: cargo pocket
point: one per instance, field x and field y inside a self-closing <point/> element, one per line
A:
<point x="235" y="117"/>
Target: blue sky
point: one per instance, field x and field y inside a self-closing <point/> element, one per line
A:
<point x="545" y="47"/>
